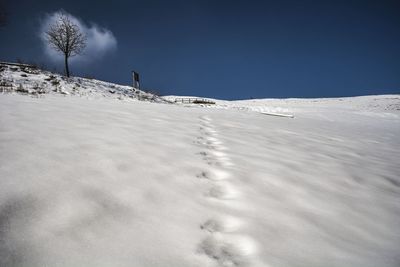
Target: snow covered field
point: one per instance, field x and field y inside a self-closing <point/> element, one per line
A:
<point x="110" y="183"/>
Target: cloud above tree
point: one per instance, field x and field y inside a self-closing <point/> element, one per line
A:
<point x="100" y="40"/>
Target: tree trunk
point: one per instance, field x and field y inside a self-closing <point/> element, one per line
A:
<point x="66" y="66"/>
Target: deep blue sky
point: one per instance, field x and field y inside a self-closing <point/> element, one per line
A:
<point x="231" y="49"/>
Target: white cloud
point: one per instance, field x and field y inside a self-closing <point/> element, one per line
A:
<point x="99" y="40"/>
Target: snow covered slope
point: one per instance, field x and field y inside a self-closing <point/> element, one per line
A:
<point x="101" y="182"/>
<point x="30" y="80"/>
<point x="376" y="106"/>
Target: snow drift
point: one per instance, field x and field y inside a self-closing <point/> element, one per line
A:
<point x="103" y="182"/>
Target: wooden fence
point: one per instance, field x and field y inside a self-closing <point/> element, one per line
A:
<point x="6" y="86"/>
<point x="193" y="100"/>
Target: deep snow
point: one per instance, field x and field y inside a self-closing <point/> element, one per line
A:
<point x="102" y="182"/>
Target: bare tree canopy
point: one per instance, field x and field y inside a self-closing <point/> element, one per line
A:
<point x="66" y="37"/>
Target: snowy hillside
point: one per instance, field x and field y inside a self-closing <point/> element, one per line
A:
<point x="380" y="106"/>
<point x="26" y="79"/>
<point x="106" y="183"/>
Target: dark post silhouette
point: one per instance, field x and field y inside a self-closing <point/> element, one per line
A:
<point x="135" y="77"/>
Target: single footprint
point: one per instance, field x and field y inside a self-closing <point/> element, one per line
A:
<point x="203" y="153"/>
<point x="210" y="133"/>
<point x="204" y="141"/>
<point x="206" y="157"/>
<point x="203" y="175"/>
<point x="223" y="161"/>
<point x="213" y="140"/>
<point x="223" y="191"/>
<point x="214" y="160"/>
<point x="209" y="145"/>
<point x="212" y="146"/>
<point x="225" y="224"/>
<point x="214" y="174"/>
<point x="232" y="251"/>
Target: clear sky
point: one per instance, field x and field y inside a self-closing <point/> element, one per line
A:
<point x="226" y="49"/>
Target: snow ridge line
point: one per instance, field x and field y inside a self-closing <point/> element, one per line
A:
<point x="223" y="245"/>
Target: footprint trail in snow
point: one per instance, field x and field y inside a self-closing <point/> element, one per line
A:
<point x="223" y="242"/>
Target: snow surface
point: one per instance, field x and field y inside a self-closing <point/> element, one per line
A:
<point x="36" y="82"/>
<point x="102" y="182"/>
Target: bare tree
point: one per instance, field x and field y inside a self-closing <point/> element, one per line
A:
<point x="66" y="37"/>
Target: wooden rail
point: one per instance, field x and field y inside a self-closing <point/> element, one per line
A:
<point x="18" y="64"/>
<point x="193" y="100"/>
